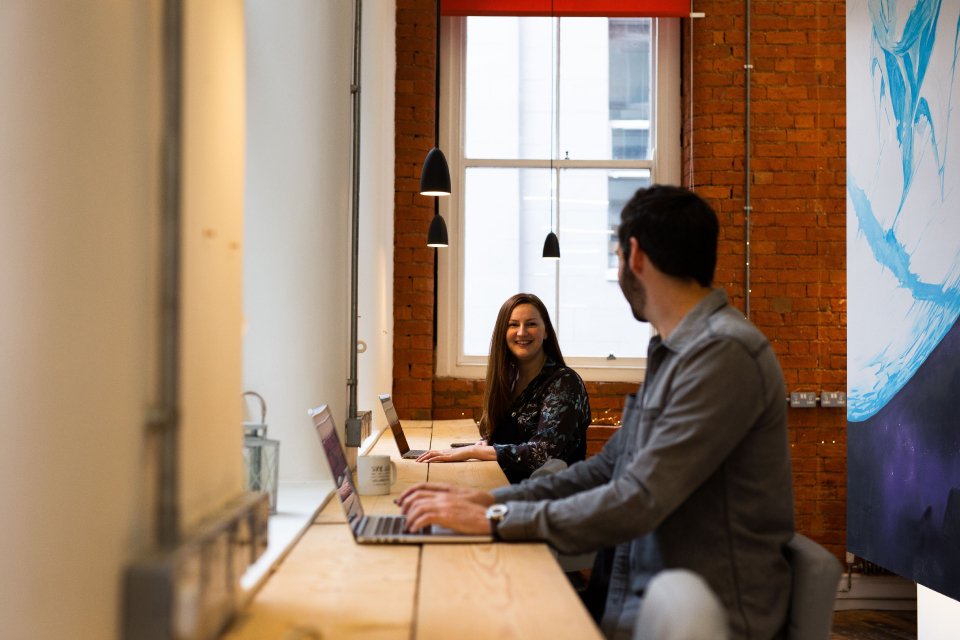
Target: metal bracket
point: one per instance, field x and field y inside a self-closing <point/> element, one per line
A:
<point x="358" y="428"/>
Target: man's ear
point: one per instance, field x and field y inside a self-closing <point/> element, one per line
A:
<point x="637" y="258"/>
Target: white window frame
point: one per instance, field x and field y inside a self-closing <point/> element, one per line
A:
<point x="665" y="169"/>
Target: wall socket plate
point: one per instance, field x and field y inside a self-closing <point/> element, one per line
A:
<point x="833" y="399"/>
<point x="803" y="399"/>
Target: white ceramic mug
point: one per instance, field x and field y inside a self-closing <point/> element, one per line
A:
<point x="375" y="475"/>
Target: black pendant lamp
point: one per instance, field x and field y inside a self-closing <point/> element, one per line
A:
<point x="435" y="175"/>
<point x="437" y="236"/>
<point x="551" y="244"/>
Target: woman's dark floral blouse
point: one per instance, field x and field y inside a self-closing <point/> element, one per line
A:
<point x="548" y="420"/>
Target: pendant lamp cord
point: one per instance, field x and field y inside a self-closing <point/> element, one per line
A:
<point x="436" y="85"/>
<point x="436" y="107"/>
<point x="436" y="143"/>
<point x="692" y="176"/>
<point x="555" y="151"/>
<point x="554" y="105"/>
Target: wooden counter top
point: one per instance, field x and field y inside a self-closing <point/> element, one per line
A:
<point x="330" y="587"/>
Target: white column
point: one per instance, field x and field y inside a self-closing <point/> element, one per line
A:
<point x="79" y="182"/>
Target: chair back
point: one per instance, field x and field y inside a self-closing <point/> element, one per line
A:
<point x="816" y="574"/>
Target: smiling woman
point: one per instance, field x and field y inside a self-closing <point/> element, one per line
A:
<point x="535" y="407"/>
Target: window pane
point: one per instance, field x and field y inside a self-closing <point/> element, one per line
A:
<point x="605" y="89"/>
<point x="621" y="185"/>
<point x="506" y="218"/>
<point x="595" y="319"/>
<point x="630" y="71"/>
<point x="508" y="88"/>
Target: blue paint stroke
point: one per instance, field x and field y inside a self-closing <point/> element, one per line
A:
<point x="899" y="65"/>
<point x="940" y="307"/>
<point x="890" y="252"/>
<point x="905" y="62"/>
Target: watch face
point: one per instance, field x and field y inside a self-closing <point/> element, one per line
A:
<point x="497" y="512"/>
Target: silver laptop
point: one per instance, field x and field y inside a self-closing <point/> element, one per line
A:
<point x="371" y="528"/>
<point x="394" y="421"/>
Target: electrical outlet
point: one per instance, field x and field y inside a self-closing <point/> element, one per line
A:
<point x="803" y="399"/>
<point x="833" y="399"/>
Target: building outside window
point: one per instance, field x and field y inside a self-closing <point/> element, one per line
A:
<point x="551" y="123"/>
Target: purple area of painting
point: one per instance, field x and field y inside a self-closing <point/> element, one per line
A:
<point x="903" y="470"/>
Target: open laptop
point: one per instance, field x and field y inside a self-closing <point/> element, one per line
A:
<point x="371" y="528"/>
<point x="394" y="421"/>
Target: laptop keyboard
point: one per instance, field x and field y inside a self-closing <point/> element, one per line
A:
<point x="390" y="526"/>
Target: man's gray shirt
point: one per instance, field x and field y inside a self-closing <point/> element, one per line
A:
<point x="698" y="477"/>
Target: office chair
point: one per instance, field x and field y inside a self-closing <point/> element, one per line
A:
<point x="812" y="593"/>
<point x="816" y="574"/>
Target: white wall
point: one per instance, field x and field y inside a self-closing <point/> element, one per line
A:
<point x="298" y="216"/>
<point x="937" y="615"/>
<point x="375" y="327"/>
<point x="79" y="184"/>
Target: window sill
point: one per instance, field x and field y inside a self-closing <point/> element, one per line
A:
<point x="298" y="504"/>
<point x="589" y="372"/>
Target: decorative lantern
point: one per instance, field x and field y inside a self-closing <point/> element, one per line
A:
<point x="261" y="455"/>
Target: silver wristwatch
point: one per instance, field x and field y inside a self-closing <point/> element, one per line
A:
<point x="495" y="514"/>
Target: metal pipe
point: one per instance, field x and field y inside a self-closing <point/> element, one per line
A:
<point x="353" y="425"/>
<point x="166" y="418"/>
<point x="747" y="207"/>
<point x="555" y="153"/>
<point x="692" y="181"/>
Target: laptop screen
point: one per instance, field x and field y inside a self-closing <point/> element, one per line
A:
<point x="394" y="421"/>
<point x="327" y="433"/>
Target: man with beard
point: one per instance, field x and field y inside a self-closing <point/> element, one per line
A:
<point x="691" y="500"/>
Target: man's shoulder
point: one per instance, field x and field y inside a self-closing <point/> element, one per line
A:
<point x="727" y="323"/>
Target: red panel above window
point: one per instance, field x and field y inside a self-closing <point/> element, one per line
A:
<point x="568" y="8"/>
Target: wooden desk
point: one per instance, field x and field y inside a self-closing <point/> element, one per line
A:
<point x="330" y="587"/>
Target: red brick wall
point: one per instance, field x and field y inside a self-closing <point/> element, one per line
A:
<point x="797" y="156"/>
<point x="798" y="220"/>
<point x="413" y="282"/>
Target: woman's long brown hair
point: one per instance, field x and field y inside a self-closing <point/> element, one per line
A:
<point x="497" y="395"/>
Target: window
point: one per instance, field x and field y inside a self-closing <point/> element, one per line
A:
<point x="551" y="124"/>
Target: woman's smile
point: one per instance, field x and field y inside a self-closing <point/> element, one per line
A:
<point x="525" y="332"/>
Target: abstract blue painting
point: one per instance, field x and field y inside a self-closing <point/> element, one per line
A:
<point x="903" y="283"/>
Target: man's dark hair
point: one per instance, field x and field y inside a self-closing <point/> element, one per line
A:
<point x="676" y="228"/>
